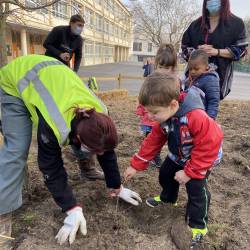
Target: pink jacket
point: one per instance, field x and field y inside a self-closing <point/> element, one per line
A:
<point x="140" y="111"/>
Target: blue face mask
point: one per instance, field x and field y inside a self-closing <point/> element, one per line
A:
<point x="213" y="6"/>
<point x="77" y="30"/>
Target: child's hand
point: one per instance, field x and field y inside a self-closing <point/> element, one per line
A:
<point x="129" y="173"/>
<point x="181" y="177"/>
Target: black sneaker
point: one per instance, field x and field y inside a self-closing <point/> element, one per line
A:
<point x="158" y="161"/>
<point x="153" y="202"/>
<point x="196" y="241"/>
<point x="198" y="235"/>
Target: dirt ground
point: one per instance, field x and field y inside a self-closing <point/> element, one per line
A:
<point x="39" y="219"/>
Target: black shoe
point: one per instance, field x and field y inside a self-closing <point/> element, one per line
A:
<point x="196" y="241"/>
<point x="158" y="161"/>
<point x="153" y="202"/>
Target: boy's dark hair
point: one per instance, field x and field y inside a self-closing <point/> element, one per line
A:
<point x="159" y="89"/>
<point x="201" y="54"/>
<point x="166" y="56"/>
<point x="76" y="18"/>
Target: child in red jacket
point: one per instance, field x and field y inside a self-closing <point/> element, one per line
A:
<point x="194" y="143"/>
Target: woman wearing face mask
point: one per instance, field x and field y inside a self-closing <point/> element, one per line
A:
<point x="41" y="90"/>
<point x="221" y="35"/>
<point x="64" y="41"/>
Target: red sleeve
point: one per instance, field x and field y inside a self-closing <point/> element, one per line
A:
<point x="140" y="110"/>
<point x="151" y="145"/>
<point x="207" y="138"/>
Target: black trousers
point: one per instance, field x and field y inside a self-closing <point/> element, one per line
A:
<point x="198" y="194"/>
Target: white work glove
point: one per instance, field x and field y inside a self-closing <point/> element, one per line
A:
<point x="72" y="222"/>
<point x="129" y="196"/>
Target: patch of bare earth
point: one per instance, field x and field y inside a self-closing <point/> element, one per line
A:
<point x="39" y="219"/>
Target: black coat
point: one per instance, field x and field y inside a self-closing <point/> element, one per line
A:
<point x="230" y="34"/>
<point x="61" y="40"/>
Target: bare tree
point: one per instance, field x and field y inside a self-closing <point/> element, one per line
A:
<point x="15" y="8"/>
<point x="163" y="20"/>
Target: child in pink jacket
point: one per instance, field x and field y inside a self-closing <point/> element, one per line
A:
<point x="146" y="126"/>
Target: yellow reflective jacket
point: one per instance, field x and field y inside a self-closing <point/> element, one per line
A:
<point x="54" y="89"/>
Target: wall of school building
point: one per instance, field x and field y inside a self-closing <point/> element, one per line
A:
<point x="107" y="38"/>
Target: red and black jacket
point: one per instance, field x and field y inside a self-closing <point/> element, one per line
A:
<point x="194" y="139"/>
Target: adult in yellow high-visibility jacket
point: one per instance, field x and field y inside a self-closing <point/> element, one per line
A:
<point x="41" y="90"/>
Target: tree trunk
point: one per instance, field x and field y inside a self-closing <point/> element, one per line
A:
<point x="3" y="49"/>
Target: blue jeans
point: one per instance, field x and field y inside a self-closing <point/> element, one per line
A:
<point x="17" y="132"/>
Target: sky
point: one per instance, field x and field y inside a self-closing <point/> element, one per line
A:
<point x="240" y="8"/>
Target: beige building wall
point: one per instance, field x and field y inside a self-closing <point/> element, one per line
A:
<point x="141" y="48"/>
<point x="107" y="32"/>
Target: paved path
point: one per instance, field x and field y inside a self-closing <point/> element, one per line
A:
<point x="240" y="89"/>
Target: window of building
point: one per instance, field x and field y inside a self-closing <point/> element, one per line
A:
<point x="99" y="23"/>
<point x="150" y="47"/>
<point x="106" y="26"/>
<point x="125" y="35"/>
<point x="140" y="58"/>
<point x="119" y="13"/>
<point x="89" y="18"/>
<point x="111" y="29"/>
<point x="105" y="4"/>
<point x="108" y="53"/>
<point x="60" y="9"/>
<point x="16" y="38"/>
<point x="38" y="39"/>
<point x="88" y="49"/>
<point x="98" y="2"/>
<point x="37" y="3"/>
<point x="116" y="31"/>
<point x="76" y="8"/>
<point x="137" y="46"/>
<point x="111" y="6"/>
<point x="98" y="50"/>
<point x="116" y="10"/>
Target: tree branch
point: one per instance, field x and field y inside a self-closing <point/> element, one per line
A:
<point x="24" y="7"/>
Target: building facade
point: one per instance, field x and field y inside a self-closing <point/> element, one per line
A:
<point x="107" y="33"/>
<point x="141" y="49"/>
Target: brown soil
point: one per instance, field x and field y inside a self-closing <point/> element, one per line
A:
<point x="39" y="219"/>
